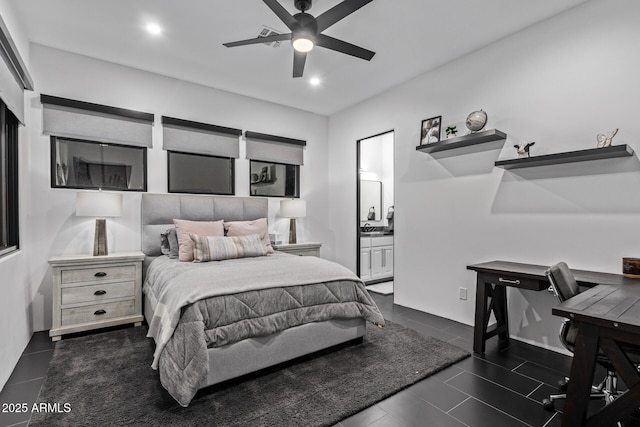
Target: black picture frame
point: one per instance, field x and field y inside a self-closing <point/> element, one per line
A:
<point x="430" y="130"/>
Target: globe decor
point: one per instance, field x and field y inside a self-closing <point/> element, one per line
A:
<point x="476" y="120"/>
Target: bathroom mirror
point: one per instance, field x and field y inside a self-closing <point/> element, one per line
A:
<point x="370" y="200"/>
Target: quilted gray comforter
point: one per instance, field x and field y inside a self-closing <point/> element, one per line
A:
<point x="213" y="304"/>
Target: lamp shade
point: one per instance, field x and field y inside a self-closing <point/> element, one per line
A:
<point x="293" y="208"/>
<point x="98" y="204"/>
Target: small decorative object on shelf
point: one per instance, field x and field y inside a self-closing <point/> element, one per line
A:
<point x="451" y="131"/>
<point x="523" y="149"/>
<point x="476" y="120"/>
<point x="430" y="130"/>
<point x="631" y="268"/>
<point x="605" y="140"/>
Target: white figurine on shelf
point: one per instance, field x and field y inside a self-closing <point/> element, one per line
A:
<point x="523" y="149"/>
<point x="604" y="140"/>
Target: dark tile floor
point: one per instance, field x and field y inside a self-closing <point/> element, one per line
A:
<point x="502" y="388"/>
<point x="24" y="383"/>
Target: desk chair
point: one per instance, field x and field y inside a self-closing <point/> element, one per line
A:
<point x="564" y="286"/>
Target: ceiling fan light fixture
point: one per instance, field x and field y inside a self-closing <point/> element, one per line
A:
<point x="303" y="42"/>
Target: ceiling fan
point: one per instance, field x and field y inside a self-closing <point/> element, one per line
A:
<point x="306" y="31"/>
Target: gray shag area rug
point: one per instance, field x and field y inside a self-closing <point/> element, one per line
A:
<point x="106" y="379"/>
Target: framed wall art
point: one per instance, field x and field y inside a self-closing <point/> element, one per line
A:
<point x="430" y="130"/>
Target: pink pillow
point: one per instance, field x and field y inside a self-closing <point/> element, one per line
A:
<point x="245" y="228"/>
<point x="203" y="228"/>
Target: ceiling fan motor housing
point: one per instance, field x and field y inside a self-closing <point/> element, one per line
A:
<point x="306" y="22"/>
<point x="302" y="5"/>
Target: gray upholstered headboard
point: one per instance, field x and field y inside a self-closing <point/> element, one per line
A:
<point x="159" y="210"/>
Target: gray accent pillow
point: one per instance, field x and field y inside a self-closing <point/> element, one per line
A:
<point x="218" y="248"/>
<point x="169" y="243"/>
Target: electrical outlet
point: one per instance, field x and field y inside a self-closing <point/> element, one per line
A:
<point x="463" y="293"/>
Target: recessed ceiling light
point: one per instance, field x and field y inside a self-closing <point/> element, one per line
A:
<point x="154" y="29"/>
<point x="315" y="81"/>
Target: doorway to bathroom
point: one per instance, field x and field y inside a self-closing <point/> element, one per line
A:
<point x="375" y="210"/>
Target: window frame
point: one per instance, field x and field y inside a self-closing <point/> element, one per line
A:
<point x="52" y="150"/>
<point x="232" y="171"/>
<point x="298" y="172"/>
<point x="9" y="177"/>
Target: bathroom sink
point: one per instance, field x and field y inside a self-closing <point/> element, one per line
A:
<point x="375" y="233"/>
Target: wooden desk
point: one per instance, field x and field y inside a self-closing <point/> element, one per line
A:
<point x="493" y="278"/>
<point x="608" y="317"/>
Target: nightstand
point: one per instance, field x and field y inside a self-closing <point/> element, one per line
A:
<point x="302" y="249"/>
<point x="92" y="292"/>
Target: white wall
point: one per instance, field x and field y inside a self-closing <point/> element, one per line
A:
<point x="55" y="227"/>
<point x="558" y="83"/>
<point x="15" y="310"/>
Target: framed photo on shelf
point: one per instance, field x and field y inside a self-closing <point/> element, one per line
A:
<point x="430" y="130"/>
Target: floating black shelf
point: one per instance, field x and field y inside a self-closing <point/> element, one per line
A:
<point x="463" y="141"/>
<point x="568" y="157"/>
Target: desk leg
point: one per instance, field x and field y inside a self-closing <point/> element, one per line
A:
<point x="483" y="291"/>
<point x="501" y="313"/>
<point x="582" y="369"/>
<point x="486" y="291"/>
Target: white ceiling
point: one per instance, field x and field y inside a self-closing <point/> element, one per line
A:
<point x="409" y="37"/>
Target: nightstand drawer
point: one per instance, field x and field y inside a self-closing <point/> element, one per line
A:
<point x="301" y="249"/>
<point x="305" y="252"/>
<point x="97" y="273"/>
<point x="97" y="312"/>
<point x="96" y="293"/>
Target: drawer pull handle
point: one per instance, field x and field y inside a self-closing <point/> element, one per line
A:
<point x="513" y="282"/>
<point x="99" y="312"/>
<point x="100" y="292"/>
<point x="100" y="274"/>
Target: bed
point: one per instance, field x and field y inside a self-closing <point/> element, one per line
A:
<point x="295" y="305"/>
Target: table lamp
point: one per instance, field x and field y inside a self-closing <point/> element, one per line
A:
<point x="292" y="209"/>
<point x="100" y="205"/>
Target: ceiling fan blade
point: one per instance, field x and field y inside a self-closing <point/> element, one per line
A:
<point x="282" y="13"/>
<point x="257" y="40"/>
<point x="299" y="58"/>
<point x="343" y="47"/>
<point x="336" y="13"/>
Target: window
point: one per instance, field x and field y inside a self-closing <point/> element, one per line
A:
<point x="78" y="163"/>
<point x="200" y="174"/>
<point x="8" y="180"/>
<point x="275" y="164"/>
<point x="274" y="179"/>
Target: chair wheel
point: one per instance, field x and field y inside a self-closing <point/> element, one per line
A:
<point x="548" y="405"/>
<point x="563" y="385"/>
